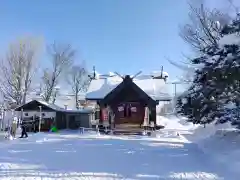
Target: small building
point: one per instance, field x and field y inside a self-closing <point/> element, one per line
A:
<point x="128" y="97"/>
<point x="50" y="114"/>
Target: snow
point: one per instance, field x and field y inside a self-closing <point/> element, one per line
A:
<point x="221" y="142"/>
<point x="218" y="141"/>
<point x="64" y="97"/>
<point x="159" y="73"/>
<point x="224" y="147"/>
<point x="175" y="123"/>
<point x="201" y="133"/>
<point x="229" y="39"/>
<point x="155" y="88"/>
<point x="69" y="155"/>
<point x="179" y="151"/>
<point x="99" y="88"/>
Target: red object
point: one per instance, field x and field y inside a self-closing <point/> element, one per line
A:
<point x="104" y="114"/>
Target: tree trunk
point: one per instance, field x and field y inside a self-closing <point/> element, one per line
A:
<point x="76" y="100"/>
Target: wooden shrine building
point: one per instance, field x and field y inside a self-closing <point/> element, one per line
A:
<point x="126" y="98"/>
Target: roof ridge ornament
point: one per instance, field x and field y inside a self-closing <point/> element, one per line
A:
<point x="137" y="74"/>
<point x="119" y="75"/>
<point x="94" y="74"/>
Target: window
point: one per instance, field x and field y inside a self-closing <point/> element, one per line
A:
<point x="26" y="114"/>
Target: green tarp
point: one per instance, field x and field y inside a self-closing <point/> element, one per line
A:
<point x="54" y="129"/>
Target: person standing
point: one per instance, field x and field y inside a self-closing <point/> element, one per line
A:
<point x="36" y="125"/>
<point x="24" y="132"/>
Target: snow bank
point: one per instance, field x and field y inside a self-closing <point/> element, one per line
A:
<point x="221" y="142"/>
<point x="201" y="133"/>
<point x="174" y="128"/>
<point x="224" y="146"/>
<point x="176" y="123"/>
<point x="168" y="122"/>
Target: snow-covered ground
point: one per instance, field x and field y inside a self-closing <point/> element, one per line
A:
<point x="221" y="142"/>
<point x="175" y="123"/>
<point x="89" y="156"/>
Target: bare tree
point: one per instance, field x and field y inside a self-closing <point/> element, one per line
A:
<point x="204" y="27"/>
<point x="188" y="70"/>
<point x="78" y="80"/>
<point x="61" y="56"/>
<point x="202" y="30"/>
<point x="18" y="69"/>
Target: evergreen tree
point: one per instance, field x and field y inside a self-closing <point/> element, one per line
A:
<point x="216" y="82"/>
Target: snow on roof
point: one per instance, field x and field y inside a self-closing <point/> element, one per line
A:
<point x="84" y="110"/>
<point x="159" y="73"/>
<point x="52" y="106"/>
<point x="99" y="88"/>
<point x="155" y="88"/>
<point x="62" y="99"/>
<point x="58" y="108"/>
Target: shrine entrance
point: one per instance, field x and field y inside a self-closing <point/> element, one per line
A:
<point x="128" y="103"/>
<point x="129" y="112"/>
<point x="128" y="115"/>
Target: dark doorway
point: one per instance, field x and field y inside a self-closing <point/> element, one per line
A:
<point x="72" y="122"/>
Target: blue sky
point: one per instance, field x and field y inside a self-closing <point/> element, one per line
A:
<point x="114" y="35"/>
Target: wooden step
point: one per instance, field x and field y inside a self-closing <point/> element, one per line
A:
<point x="127" y="129"/>
<point x="127" y="126"/>
<point x="126" y="133"/>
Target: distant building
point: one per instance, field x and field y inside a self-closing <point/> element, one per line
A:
<point x="63" y="100"/>
<point x="35" y="111"/>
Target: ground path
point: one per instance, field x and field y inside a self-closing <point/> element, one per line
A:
<point x="71" y="156"/>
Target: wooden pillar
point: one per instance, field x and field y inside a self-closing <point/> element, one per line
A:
<point x="67" y="120"/>
<point x="97" y="113"/>
<point x="154" y="114"/>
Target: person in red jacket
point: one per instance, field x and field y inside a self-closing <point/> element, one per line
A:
<point x="104" y="115"/>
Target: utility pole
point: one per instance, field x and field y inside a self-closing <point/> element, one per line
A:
<point x="40" y="118"/>
<point x="175" y="85"/>
<point x="175" y="89"/>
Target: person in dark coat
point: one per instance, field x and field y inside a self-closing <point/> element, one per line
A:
<point x="24" y="132"/>
<point x="36" y="125"/>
